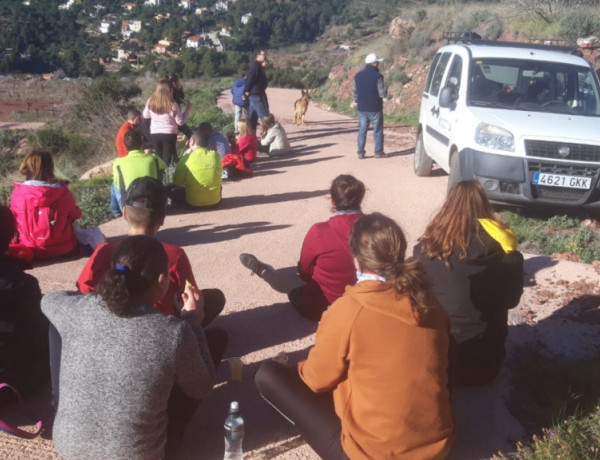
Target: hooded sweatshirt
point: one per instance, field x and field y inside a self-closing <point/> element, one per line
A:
<point x="326" y="257"/>
<point x="477" y="293"/>
<point x="387" y="366"/>
<point x="45" y="214"/>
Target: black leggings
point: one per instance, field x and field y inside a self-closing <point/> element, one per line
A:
<point x="312" y="413"/>
<point x="166" y="146"/>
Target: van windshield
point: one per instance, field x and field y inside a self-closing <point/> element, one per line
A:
<point x="534" y="86"/>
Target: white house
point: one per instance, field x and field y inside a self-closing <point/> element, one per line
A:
<point x="195" y="41"/>
<point x="187" y="4"/>
<point x="67" y="5"/>
<point x="128" y="6"/>
<point x="246" y="17"/>
<point x="105" y="25"/>
<point x="135" y="25"/>
<point x="222" y="5"/>
<point x="152" y="2"/>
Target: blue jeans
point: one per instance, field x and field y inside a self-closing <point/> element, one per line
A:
<point x="238" y="116"/>
<point x="376" y="120"/>
<point x="115" y="201"/>
<point x="257" y="109"/>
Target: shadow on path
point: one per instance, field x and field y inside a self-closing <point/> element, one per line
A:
<point x="190" y="235"/>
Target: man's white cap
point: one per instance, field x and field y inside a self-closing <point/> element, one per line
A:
<point x="371" y="58"/>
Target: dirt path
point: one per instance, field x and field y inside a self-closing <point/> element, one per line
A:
<point x="269" y="215"/>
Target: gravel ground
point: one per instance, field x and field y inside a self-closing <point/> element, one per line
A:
<point x="268" y="215"/>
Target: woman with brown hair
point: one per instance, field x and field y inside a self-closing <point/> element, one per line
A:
<point x="374" y="385"/>
<point x="130" y="376"/>
<point x="325" y="267"/>
<point x="477" y="275"/>
<point x="165" y="118"/>
<point x="44" y="208"/>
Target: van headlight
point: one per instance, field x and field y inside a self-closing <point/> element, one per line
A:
<point x="493" y="137"/>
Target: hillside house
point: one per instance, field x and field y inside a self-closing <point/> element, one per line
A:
<point x="222" y="5"/>
<point x="195" y="41"/>
<point x="106" y="23"/>
<point x="246" y="17"/>
<point x="128" y="6"/>
<point x="66" y="6"/>
<point x="187" y="4"/>
<point x="152" y="2"/>
<point x="203" y="12"/>
<point x="163" y="46"/>
<point x="135" y="25"/>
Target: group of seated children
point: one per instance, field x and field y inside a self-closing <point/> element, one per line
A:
<point x="348" y="398"/>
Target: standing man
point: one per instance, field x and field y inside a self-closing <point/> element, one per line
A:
<point x="368" y="91"/>
<point x="256" y="89"/>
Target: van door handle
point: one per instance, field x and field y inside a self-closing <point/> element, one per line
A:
<point x="435" y="112"/>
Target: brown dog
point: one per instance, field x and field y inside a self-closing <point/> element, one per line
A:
<point x="300" y="107"/>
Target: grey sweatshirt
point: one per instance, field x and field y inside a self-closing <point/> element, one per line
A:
<point x="116" y="375"/>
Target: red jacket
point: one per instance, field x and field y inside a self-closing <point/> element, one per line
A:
<point x="180" y="271"/>
<point x="326" y="257"/>
<point x="122" y="150"/>
<point x="247" y="146"/>
<point x="45" y="216"/>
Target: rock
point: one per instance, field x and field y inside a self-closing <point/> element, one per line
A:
<point x="401" y="28"/>
<point x="103" y="170"/>
<point x="23" y="147"/>
<point x="588" y="42"/>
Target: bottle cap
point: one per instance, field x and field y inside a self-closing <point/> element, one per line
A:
<point x="234" y="406"/>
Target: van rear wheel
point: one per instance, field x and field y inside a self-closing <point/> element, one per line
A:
<point x="422" y="162"/>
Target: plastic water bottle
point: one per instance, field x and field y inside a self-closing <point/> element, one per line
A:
<point x="234" y="433"/>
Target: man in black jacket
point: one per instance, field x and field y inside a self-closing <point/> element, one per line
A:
<point x="368" y="91"/>
<point x="255" y="90"/>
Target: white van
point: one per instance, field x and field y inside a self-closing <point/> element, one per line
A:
<point x="522" y="119"/>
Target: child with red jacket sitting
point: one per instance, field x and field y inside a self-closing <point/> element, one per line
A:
<point x="44" y="208"/>
<point x="247" y="143"/>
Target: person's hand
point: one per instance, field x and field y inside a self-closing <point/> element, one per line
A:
<point x="353" y="105"/>
<point x="186" y="102"/>
<point x="193" y="305"/>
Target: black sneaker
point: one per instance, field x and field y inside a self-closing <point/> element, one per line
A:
<point x="251" y="262"/>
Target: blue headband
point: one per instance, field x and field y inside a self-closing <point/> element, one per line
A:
<point x="121" y="268"/>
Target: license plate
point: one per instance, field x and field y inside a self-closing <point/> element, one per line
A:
<point x="561" y="180"/>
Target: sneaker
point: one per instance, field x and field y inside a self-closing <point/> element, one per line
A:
<point x="379" y="155"/>
<point x="251" y="262"/>
<point x="361" y="156"/>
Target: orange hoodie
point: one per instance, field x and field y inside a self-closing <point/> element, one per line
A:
<point x="387" y="366"/>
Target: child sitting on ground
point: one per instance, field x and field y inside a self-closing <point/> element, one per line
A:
<point x="273" y="138"/>
<point x="44" y="209"/>
<point x="136" y="164"/>
<point x="246" y="142"/>
<point x="24" y="337"/>
<point x="144" y="212"/>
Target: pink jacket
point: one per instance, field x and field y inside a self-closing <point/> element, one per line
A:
<point x="45" y="216"/>
<point x="166" y="123"/>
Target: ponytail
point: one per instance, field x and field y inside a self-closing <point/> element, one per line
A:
<point x="408" y="278"/>
<point x="379" y="245"/>
<point x="136" y="265"/>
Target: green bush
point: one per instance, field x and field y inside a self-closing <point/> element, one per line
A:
<point x="397" y="75"/>
<point x="419" y="16"/>
<point x="53" y="139"/>
<point x="492" y="29"/>
<point x="579" y="23"/>
<point x="419" y="40"/>
<point x="93" y="198"/>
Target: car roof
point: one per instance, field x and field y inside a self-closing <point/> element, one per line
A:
<point x="491" y="51"/>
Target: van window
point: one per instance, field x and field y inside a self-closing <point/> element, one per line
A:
<point x="534" y="86"/>
<point x="431" y="72"/>
<point x="455" y="73"/>
<point x="436" y="81"/>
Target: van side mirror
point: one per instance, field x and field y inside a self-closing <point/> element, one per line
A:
<point x="448" y="96"/>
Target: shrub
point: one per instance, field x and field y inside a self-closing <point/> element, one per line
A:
<point x="93" y="198"/>
<point x="419" y="40"/>
<point x="419" y="16"/>
<point x="578" y="24"/>
<point x="492" y="29"/>
<point x="397" y="75"/>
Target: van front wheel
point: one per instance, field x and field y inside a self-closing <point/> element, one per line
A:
<point x="454" y="174"/>
<point x="422" y="162"/>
